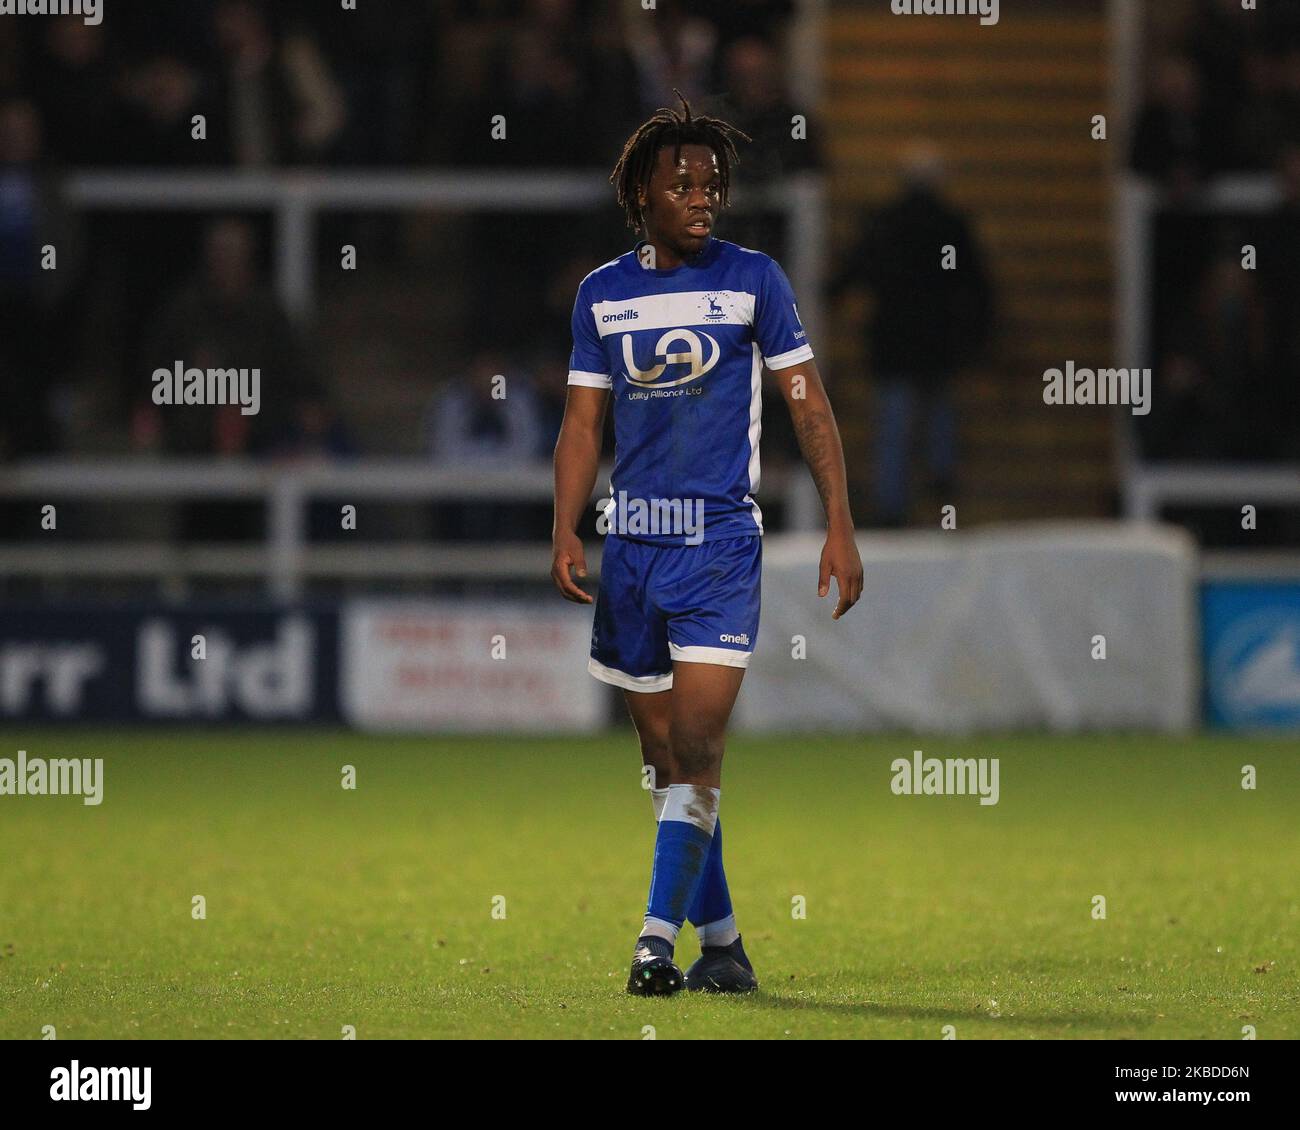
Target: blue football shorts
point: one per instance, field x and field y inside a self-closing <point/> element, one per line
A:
<point x="663" y="603"/>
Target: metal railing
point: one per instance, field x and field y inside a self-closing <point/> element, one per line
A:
<point x="296" y="197"/>
<point x="1147" y="487"/>
<point x="288" y="558"/>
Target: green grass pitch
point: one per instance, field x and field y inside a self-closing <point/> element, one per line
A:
<point x="374" y="907"/>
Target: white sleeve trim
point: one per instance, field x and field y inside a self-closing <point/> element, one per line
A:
<point x="785" y="360"/>
<point x="590" y="380"/>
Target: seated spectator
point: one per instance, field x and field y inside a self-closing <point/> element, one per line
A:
<point x="552" y="394"/>
<point x="480" y="421"/>
<point x="484" y="417"/>
<point x="312" y="431"/>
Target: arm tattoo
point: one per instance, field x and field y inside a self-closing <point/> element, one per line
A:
<point x="815" y="431"/>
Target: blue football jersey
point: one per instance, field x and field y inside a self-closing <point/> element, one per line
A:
<point x="683" y="352"/>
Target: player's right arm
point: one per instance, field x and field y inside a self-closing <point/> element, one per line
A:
<point x="577" y="461"/>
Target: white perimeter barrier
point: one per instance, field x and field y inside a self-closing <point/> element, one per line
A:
<point x="989" y="630"/>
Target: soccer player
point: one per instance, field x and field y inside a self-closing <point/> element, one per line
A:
<point x="678" y="331"/>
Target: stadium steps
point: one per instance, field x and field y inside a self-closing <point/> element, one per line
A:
<point x="1011" y="108"/>
<point x="1045" y="37"/>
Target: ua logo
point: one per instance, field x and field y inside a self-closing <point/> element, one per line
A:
<point x="693" y="356"/>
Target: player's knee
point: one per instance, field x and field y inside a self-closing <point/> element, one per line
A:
<point x="696" y="753"/>
<point x="656" y="750"/>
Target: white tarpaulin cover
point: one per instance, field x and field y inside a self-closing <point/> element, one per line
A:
<point x="989" y="630"/>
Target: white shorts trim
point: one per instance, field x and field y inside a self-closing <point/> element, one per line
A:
<point x="647" y="684"/>
<point x="722" y="655"/>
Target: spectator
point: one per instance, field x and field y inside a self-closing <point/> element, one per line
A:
<point x="380" y="56"/>
<point x="279" y="103"/>
<point x="1232" y="341"/>
<point x="73" y="85"/>
<point x="1258" y="123"/>
<point x="228" y="317"/>
<point x="735" y="20"/>
<point x="532" y="77"/>
<point x="11" y="57"/>
<point x="1173" y="141"/>
<point x="144" y="28"/>
<point x="546" y="85"/>
<point x="1280" y="277"/>
<point x="1287" y="106"/>
<point x="552" y="393"/>
<point x="1219" y="47"/>
<point x="672" y="47"/>
<point x="484" y="419"/>
<point x="162" y="94"/>
<point x="756" y="103"/>
<point x="312" y="432"/>
<point x="1225" y="94"/>
<point x="28" y="219"/>
<point x="1192" y="411"/>
<point x="928" y="323"/>
<point x="1213" y="343"/>
<point x="141" y="257"/>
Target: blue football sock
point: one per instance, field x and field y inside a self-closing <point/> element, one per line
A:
<point x="712" y="899"/>
<point x="682" y="846"/>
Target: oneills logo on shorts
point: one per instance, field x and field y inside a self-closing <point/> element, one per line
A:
<point x="693" y="355"/>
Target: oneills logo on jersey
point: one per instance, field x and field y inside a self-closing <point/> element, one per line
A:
<point x="692" y="356"/>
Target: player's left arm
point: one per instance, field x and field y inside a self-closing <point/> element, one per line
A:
<point x="819" y="440"/>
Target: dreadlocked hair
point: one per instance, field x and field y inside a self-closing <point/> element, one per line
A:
<point x="668" y="127"/>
